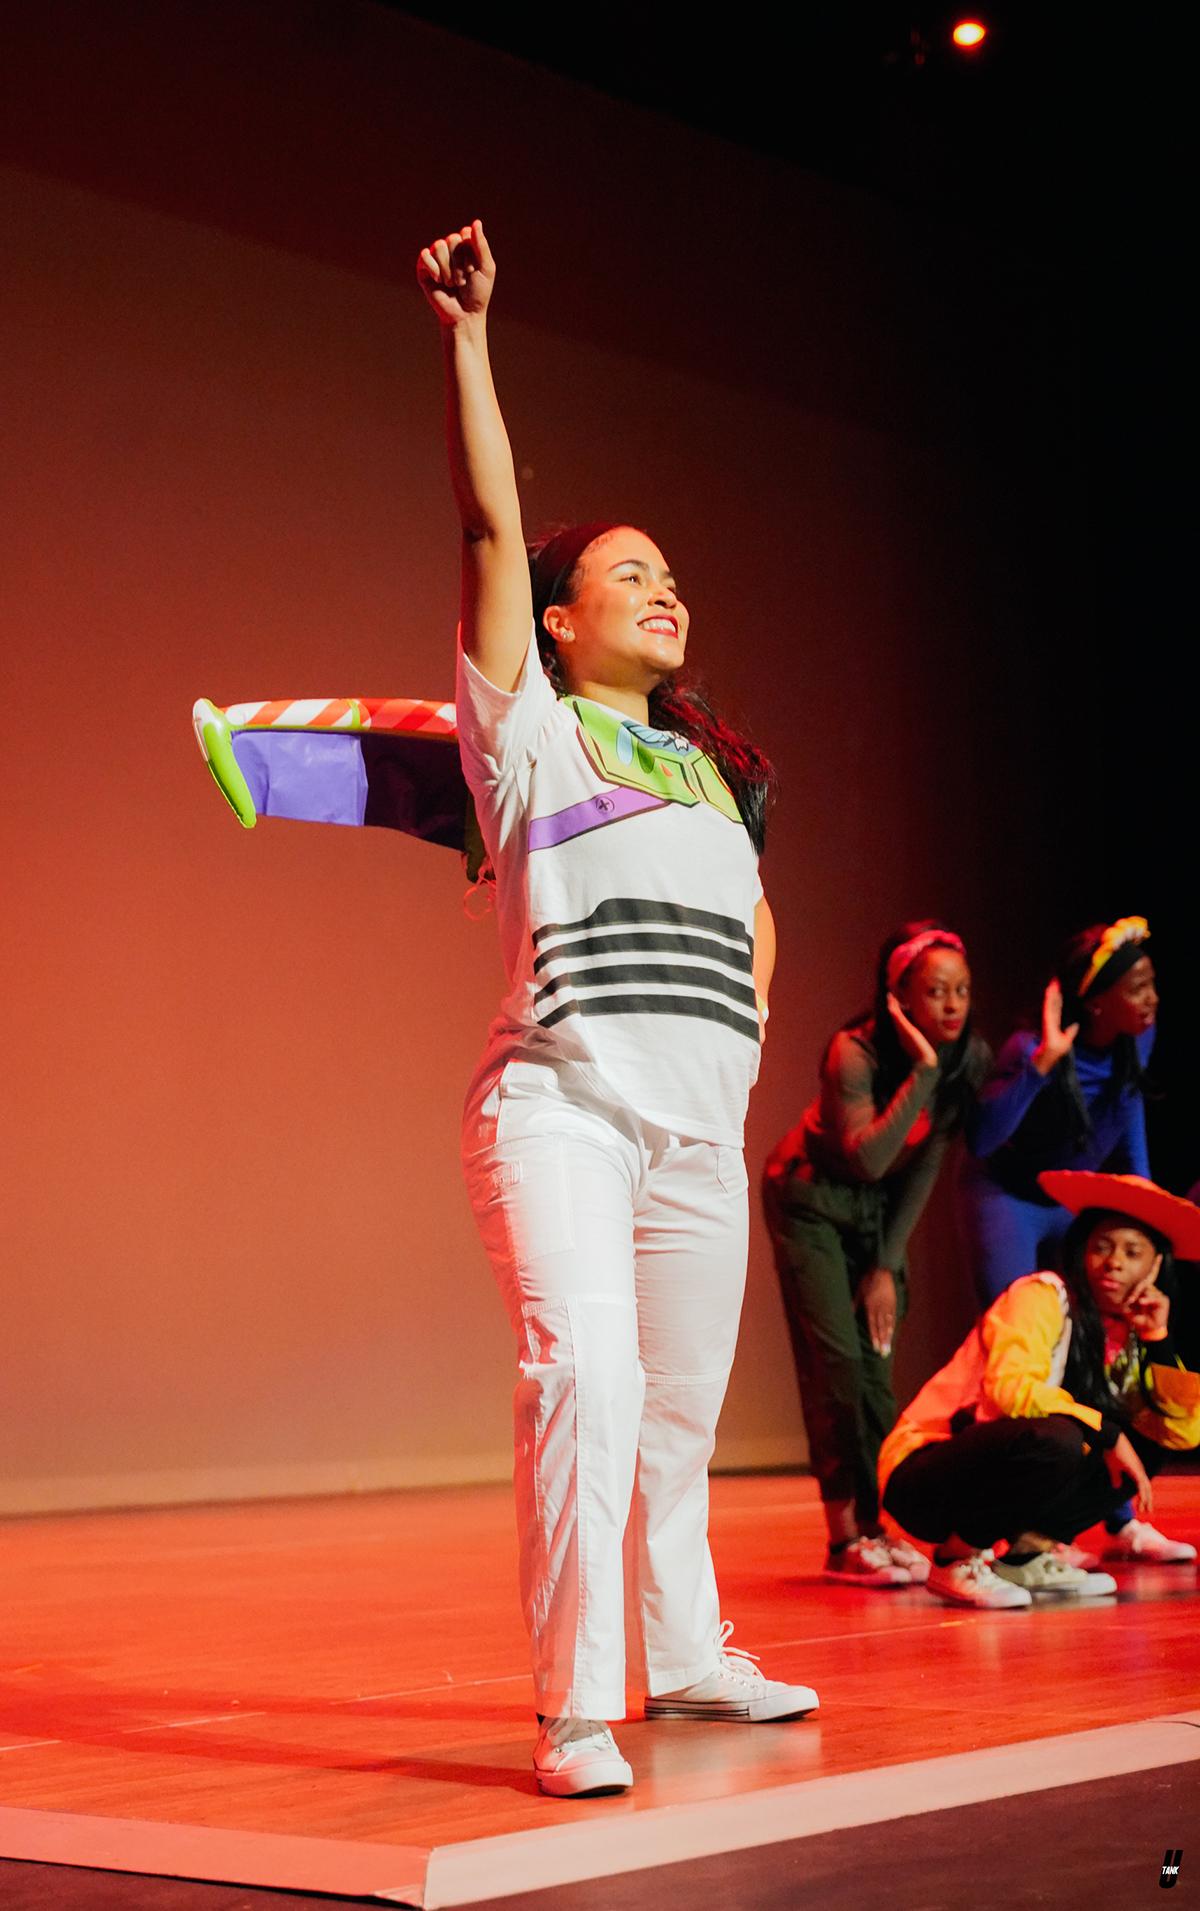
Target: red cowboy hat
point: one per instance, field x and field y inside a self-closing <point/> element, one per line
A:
<point x="1130" y="1194"/>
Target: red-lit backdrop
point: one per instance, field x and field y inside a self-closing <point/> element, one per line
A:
<point x="239" y="1257"/>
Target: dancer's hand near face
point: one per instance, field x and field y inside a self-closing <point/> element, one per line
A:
<point x="1147" y="1309"/>
<point x="914" y="1044"/>
<point x="1056" y="1041"/>
<point x="1123" y="1465"/>
<point x="876" y="1295"/>
<point x="457" y="273"/>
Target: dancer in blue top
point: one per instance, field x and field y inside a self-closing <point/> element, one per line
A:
<point x="1072" y="1097"/>
<point x="1069" y="1098"/>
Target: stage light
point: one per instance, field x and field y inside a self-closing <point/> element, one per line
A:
<point x="969" y="34"/>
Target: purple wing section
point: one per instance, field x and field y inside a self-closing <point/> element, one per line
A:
<point x="409" y="783"/>
<point x="312" y="776"/>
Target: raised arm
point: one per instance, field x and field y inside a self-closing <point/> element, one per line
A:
<point x="869" y="1139"/>
<point x="457" y="274"/>
<point x="1018" y="1076"/>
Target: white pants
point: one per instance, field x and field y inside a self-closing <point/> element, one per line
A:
<point x="620" y="1251"/>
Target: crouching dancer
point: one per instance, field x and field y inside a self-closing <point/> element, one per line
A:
<point x="1062" y="1398"/>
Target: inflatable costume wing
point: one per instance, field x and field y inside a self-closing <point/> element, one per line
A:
<point x="391" y="762"/>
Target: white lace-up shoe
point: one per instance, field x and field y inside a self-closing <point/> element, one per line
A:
<point x="972" y="1582"/>
<point x="1077" y="1556"/>
<point x="1051" y="1573"/>
<point x="736" y="1690"/>
<point x="866" y="1562"/>
<point x="909" y="1558"/>
<point x="578" y="1758"/>
<point x="1137" y="1539"/>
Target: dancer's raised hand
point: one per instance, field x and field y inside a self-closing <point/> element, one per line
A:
<point x="1056" y="1041"/>
<point x="457" y="273"/>
<point x="915" y="1045"/>
<point x="1148" y="1311"/>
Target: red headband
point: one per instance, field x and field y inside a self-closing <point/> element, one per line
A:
<point x="904" y="957"/>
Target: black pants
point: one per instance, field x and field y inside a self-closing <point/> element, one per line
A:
<point x="826" y="1237"/>
<point x="1009" y="1476"/>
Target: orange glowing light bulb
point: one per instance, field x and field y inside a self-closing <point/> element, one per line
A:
<point x="969" y="34"/>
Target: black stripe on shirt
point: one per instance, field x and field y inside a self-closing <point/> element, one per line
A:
<point x="674" y="974"/>
<point x="647" y="941"/>
<point x="697" y="1005"/>
<point x="627" y="909"/>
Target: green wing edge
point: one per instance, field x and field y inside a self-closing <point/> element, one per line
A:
<point x="214" y="734"/>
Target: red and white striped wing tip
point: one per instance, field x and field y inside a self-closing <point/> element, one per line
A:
<point x="416" y="715"/>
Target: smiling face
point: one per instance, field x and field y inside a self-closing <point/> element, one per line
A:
<point x="625" y="628"/>
<point x="1117" y="1258"/>
<point x="936" y="995"/>
<point x="1130" y="1007"/>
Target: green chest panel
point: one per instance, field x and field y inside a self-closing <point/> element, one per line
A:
<point x="661" y="765"/>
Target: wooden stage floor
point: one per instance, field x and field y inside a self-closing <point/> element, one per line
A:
<point x="353" y="1671"/>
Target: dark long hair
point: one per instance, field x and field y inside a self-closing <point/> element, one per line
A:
<point x="960" y="1075"/>
<point x="679" y="703"/>
<point x="1084" y="1376"/>
<point x="1066" y="1096"/>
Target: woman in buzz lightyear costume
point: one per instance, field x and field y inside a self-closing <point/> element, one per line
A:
<point x="603" y="1130"/>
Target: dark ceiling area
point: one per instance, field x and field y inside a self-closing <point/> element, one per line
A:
<point x="1014" y="134"/>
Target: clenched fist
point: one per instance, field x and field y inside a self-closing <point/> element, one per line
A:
<point x="457" y="274"/>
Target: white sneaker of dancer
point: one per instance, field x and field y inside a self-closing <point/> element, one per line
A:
<point x="866" y="1561"/>
<point x="971" y="1582"/>
<point x="736" y="1690"/>
<point x="909" y="1558"/>
<point x="1051" y="1573"/>
<point x="1077" y="1556"/>
<point x="1139" y="1540"/>
<point x="578" y="1758"/>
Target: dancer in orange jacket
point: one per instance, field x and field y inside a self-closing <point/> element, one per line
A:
<point x="1062" y="1399"/>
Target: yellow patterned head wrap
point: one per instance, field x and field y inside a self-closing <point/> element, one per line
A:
<point x="1118" y="935"/>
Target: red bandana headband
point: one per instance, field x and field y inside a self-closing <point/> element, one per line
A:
<point x="903" y="958"/>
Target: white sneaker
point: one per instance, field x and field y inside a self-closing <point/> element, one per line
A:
<point x="910" y="1558"/>
<point x="1051" y="1573"/>
<point x="971" y="1582"/>
<point x="578" y="1758"/>
<point x="736" y="1690"/>
<point x="866" y="1562"/>
<point x="1077" y="1556"/>
<point x="1137" y="1539"/>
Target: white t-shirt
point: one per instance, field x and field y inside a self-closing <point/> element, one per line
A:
<point x="625" y="886"/>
